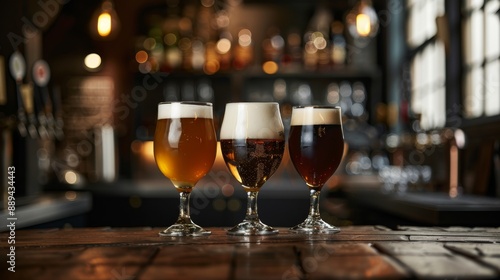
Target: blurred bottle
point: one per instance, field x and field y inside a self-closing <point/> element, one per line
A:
<point x="223" y="48"/>
<point x="338" y="50"/>
<point x="273" y="47"/>
<point x="243" y="50"/>
<point x="292" y="58"/>
<point x="317" y="40"/>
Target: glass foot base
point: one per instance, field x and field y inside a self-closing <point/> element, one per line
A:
<point x="314" y="226"/>
<point x="184" y="230"/>
<point x="247" y="228"/>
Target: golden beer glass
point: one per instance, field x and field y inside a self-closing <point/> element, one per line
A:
<point x="252" y="143"/>
<point x="185" y="146"/>
<point x="316" y="146"/>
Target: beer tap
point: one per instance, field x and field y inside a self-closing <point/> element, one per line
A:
<point x="17" y="66"/>
<point x="40" y="115"/>
<point x="57" y="114"/>
<point x="27" y="93"/>
<point x="41" y="77"/>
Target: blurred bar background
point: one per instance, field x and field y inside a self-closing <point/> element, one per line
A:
<point x="418" y="83"/>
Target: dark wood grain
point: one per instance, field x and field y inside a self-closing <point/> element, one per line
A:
<point x="364" y="252"/>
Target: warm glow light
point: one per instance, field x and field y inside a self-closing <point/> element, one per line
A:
<point x="362" y="21"/>
<point x="211" y="67"/>
<point x="70" y="195"/>
<point x="170" y="39"/>
<point x="70" y="177"/>
<point x="270" y="67"/>
<point x="141" y="56"/>
<point x="245" y="37"/>
<point x="207" y="3"/>
<point x="149" y="43"/>
<point x="104" y="24"/>
<point x="223" y="46"/>
<point x="320" y="43"/>
<point x="363" y="25"/>
<point x="147" y="151"/>
<point x="310" y="48"/>
<point x="92" y="61"/>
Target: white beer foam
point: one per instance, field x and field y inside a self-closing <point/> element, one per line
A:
<point x="184" y="110"/>
<point x="252" y="120"/>
<point x="315" y="116"/>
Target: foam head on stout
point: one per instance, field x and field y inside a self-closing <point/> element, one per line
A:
<point x="252" y="120"/>
<point x="315" y="116"/>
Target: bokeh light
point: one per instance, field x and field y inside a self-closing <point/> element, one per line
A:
<point x="92" y="61"/>
<point x="270" y="67"/>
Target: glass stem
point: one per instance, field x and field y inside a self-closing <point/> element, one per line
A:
<point x="314" y="207"/>
<point x="252" y="214"/>
<point x="184" y="217"/>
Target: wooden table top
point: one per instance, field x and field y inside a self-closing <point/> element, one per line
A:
<point x="356" y="252"/>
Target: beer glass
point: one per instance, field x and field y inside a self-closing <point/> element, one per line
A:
<point x="316" y="145"/>
<point x="185" y="146"/>
<point x="252" y="143"/>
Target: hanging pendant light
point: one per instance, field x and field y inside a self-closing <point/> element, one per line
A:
<point x="362" y="20"/>
<point x="105" y="23"/>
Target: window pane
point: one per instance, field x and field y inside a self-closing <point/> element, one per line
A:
<point x="416" y="98"/>
<point x="418" y="20"/>
<point x="474" y="97"/>
<point x="430" y="95"/>
<point x="439" y="112"/>
<point x="476" y="37"/>
<point x="492" y="88"/>
<point x="440" y="8"/>
<point x="473" y="4"/>
<point x="430" y="19"/>
<point x="412" y="27"/>
<point x="492" y="29"/>
<point x="439" y="63"/>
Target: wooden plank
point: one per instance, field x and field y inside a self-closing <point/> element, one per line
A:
<point x="265" y="261"/>
<point x="79" y="263"/>
<point x="413" y="248"/>
<point x="74" y="272"/>
<point x="322" y="250"/>
<point x="446" y="267"/>
<point x="486" y="254"/>
<point x="476" y="249"/>
<point x="433" y="260"/>
<point x="48" y="256"/>
<point x="494" y="262"/>
<point x="347" y="261"/>
<point x="149" y="237"/>
<point x="139" y="253"/>
<point x="190" y="262"/>
<point x="370" y="237"/>
<point x="455" y="238"/>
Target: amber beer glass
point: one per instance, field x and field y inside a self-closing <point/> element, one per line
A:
<point x="316" y="145"/>
<point x="185" y="146"/>
<point x="252" y="143"/>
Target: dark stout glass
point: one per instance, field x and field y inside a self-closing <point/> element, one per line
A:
<point x="316" y="146"/>
<point x="316" y="151"/>
<point x="252" y="161"/>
